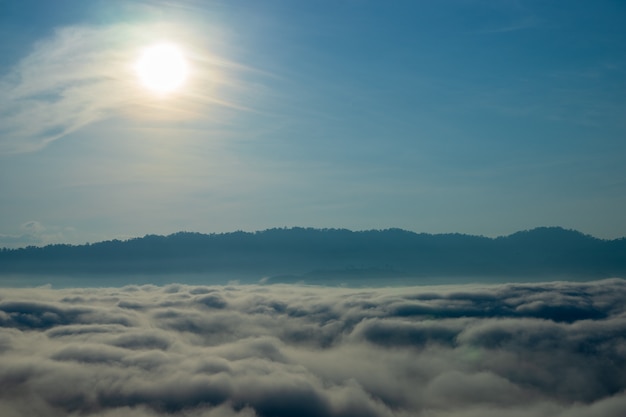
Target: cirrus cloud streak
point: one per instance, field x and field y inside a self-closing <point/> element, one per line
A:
<point x="84" y="74"/>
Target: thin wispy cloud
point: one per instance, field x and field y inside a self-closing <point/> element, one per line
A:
<point x="521" y="24"/>
<point x="551" y="349"/>
<point x="84" y="74"/>
<point x="66" y="82"/>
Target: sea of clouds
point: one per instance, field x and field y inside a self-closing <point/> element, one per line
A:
<point x="548" y="349"/>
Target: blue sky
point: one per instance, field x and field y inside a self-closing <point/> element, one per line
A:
<point x="480" y="117"/>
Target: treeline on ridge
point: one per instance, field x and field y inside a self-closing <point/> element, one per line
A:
<point x="300" y="251"/>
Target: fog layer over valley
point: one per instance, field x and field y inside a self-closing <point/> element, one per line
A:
<point x="548" y="349"/>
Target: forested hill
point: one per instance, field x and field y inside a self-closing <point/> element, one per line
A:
<point x="308" y="252"/>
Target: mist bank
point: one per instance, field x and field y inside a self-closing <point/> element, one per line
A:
<point x="533" y="350"/>
<point x="328" y="255"/>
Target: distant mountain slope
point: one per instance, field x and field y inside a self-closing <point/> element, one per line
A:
<point x="299" y="252"/>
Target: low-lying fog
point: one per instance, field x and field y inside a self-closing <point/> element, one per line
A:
<point x="542" y="349"/>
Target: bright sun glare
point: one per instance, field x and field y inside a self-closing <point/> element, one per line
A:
<point x="162" y="68"/>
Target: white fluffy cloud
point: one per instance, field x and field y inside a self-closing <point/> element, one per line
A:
<point x="36" y="233"/>
<point x="552" y="349"/>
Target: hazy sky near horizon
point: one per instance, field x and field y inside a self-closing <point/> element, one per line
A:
<point x="471" y="116"/>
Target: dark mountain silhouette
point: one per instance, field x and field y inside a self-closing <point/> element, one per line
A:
<point x="306" y="253"/>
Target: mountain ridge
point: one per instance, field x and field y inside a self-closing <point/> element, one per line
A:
<point x="309" y="252"/>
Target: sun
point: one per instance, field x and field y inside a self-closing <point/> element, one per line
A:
<point x="162" y="68"/>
